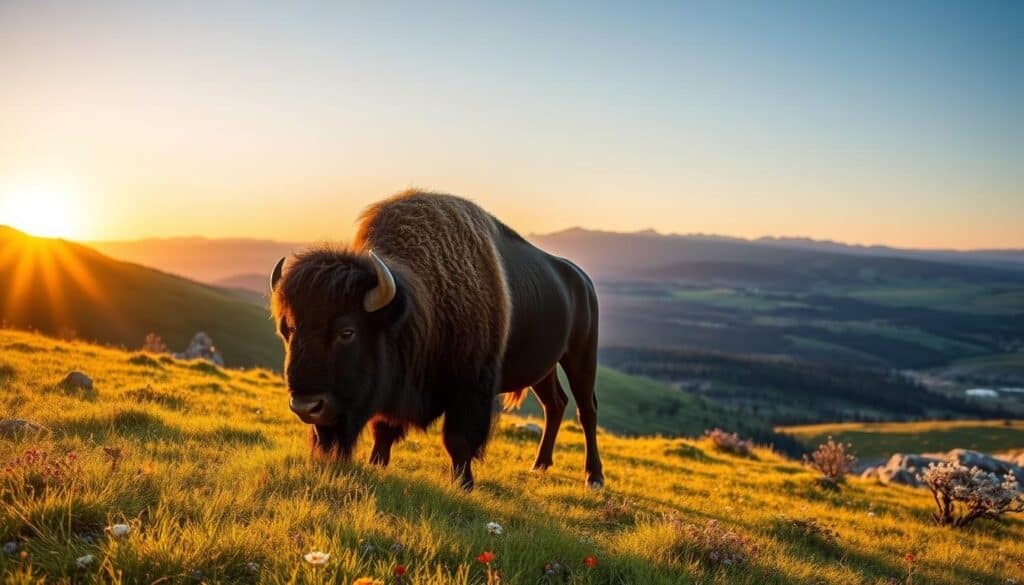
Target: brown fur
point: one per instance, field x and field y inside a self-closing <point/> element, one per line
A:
<point x="452" y="267"/>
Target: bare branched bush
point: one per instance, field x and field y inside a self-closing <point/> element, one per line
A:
<point x="154" y="344"/>
<point x="711" y="543"/>
<point x="811" y="527"/>
<point x="618" y="510"/>
<point x="833" y="460"/>
<point x="963" y="495"/>
<point x="729" y="442"/>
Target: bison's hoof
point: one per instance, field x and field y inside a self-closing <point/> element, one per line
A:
<point x="539" y="467"/>
<point x="595" y="483"/>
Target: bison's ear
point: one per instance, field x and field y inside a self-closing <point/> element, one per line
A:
<point x="276" y="274"/>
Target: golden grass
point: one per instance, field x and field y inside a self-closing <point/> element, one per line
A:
<point x="215" y="475"/>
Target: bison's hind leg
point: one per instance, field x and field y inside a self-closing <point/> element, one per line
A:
<point x="553" y="399"/>
<point x="581" y="369"/>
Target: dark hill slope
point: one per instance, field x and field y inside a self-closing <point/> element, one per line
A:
<point x="58" y="287"/>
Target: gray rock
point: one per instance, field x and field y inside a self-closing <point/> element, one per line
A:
<point x="14" y="426"/>
<point x="530" y="428"/>
<point x="201" y="347"/>
<point x="77" y="379"/>
<point x="905" y="469"/>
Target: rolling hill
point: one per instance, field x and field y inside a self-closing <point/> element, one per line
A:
<point x="211" y="475"/>
<point x="119" y="303"/>
<point x="63" y="288"/>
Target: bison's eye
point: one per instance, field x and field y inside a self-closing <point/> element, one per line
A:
<point x="346" y="335"/>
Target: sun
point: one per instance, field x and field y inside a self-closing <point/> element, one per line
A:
<point x="42" y="209"/>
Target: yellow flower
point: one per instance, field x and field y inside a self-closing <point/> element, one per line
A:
<point x="367" y="581"/>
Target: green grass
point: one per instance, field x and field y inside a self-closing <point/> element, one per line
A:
<point x="943" y="295"/>
<point x="871" y="440"/>
<point x="634" y="405"/>
<point x="215" y="475"/>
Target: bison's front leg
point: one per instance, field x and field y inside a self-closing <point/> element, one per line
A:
<point x="467" y="426"/>
<point x="385" y="435"/>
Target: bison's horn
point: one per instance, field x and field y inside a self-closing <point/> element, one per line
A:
<point x="379" y="296"/>
<point x="276" y="274"/>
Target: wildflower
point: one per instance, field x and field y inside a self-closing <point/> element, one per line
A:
<point x="252" y="567"/>
<point x="713" y="555"/>
<point x="197" y="575"/>
<point x="118" y="530"/>
<point x="590" y="562"/>
<point x="10" y="547"/>
<point x="397" y="548"/>
<point x="400" y="570"/>
<point x="317" y="557"/>
<point x="909" y="557"/>
<point x="367" y="581"/>
<point x="84" y="561"/>
<point x="486" y="557"/>
<point x="494" y="529"/>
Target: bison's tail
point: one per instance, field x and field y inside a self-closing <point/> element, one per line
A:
<point x="513" y="400"/>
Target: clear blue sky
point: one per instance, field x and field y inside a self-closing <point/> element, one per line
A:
<point x="895" y="123"/>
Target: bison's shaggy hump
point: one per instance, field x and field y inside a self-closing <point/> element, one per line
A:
<point x="444" y="248"/>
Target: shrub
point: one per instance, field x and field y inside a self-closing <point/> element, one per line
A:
<point x="36" y="471"/>
<point x="963" y="495"/>
<point x="729" y="442"/>
<point x="711" y="543"/>
<point x="154" y="344"/>
<point x="832" y="460"/>
<point x="812" y="528"/>
<point x="618" y="509"/>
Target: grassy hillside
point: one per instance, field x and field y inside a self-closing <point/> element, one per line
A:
<point x="214" y="480"/>
<point x="634" y="405"/>
<point x="58" y="287"/>
<point x="883" y="439"/>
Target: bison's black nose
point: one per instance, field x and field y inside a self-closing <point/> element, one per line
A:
<point x="313" y="409"/>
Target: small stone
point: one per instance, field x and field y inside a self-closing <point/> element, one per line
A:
<point x="16" y="426"/>
<point x="77" y="379"/>
<point x="530" y="428"/>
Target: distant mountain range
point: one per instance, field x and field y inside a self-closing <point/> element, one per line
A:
<point x="616" y="255"/>
<point x="245" y="263"/>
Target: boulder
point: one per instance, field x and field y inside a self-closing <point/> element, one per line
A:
<point x="530" y="428"/>
<point x="77" y="379"/>
<point x="15" y="426"/>
<point x="201" y="347"/>
<point x="905" y="469"/>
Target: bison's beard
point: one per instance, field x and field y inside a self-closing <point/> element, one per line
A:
<point x="333" y="441"/>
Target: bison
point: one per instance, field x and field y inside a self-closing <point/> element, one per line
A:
<point x="434" y="309"/>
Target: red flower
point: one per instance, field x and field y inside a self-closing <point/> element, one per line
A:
<point x="909" y="557"/>
<point x="486" y="557"/>
<point x="590" y="562"/>
<point x="399" y="570"/>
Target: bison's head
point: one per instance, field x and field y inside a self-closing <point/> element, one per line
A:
<point x="338" y="314"/>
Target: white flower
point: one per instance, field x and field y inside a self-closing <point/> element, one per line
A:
<point x="871" y="514"/>
<point x="252" y="567"/>
<point x="118" y="530"/>
<point x="494" y="528"/>
<point x="317" y="557"/>
<point x="84" y="561"/>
